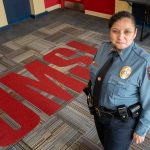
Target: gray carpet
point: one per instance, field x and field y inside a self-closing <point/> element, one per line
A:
<point x="71" y="128"/>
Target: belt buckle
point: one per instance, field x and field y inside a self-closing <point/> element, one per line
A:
<point x="98" y="111"/>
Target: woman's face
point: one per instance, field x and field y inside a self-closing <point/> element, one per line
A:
<point x="122" y="33"/>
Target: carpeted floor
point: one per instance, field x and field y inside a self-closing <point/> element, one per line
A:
<point x="71" y="127"/>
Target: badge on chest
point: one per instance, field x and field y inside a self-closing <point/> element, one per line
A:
<point x="125" y="72"/>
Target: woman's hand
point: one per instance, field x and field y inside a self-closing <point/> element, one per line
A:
<point x="138" y="139"/>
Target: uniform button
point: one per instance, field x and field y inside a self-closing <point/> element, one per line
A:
<point x="99" y="78"/>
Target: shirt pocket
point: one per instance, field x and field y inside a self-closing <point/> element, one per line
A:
<point x="119" y="87"/>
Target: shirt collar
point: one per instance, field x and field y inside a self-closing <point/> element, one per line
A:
<point x="125" y="52"/>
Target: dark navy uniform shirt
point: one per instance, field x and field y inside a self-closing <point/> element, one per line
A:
<point x="127" y="81"/>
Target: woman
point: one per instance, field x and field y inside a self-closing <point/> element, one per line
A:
<point x="121" y="100"/>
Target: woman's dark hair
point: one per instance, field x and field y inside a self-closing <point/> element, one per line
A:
<point x="119" y="15"/>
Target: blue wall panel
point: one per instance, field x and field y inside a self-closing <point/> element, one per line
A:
<point x="17" y="10"/>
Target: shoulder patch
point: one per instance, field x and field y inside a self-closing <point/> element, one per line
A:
<point x="148" y="72"/>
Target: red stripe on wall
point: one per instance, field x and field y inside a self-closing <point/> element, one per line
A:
<point x="49" y="3"/>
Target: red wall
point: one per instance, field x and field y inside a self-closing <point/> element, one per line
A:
<point x="49" y="3"/>
<point x="101" y="6"/>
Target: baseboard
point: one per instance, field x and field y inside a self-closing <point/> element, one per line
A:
<point x="4" y="27"/>
<point x="39" y="15"/>
<point x="93" y="13"/>
<point x="53" y="7"/>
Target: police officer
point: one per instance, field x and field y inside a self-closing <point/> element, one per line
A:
<point x="122" y="113"/>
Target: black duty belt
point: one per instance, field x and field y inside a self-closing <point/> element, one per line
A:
<point x="122" y="111"/>
<point x="102" y="111"/>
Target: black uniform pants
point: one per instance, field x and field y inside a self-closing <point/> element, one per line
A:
<point x="114" y="133"/>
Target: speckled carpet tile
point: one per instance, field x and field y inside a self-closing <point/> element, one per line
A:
<point x="71" y="127"/>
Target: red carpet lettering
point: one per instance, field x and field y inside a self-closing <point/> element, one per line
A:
<point x="22" y="86"/>
<point x="82" y="47"/>
<point x="26" y="119"/>
<point x="54" y="59"/>
<point x="78" y="71"/>
<point x="28" y="89"/>
<point x="68" y="81"/>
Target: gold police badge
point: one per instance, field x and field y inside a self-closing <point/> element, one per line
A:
<point x="125" y="72"/>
